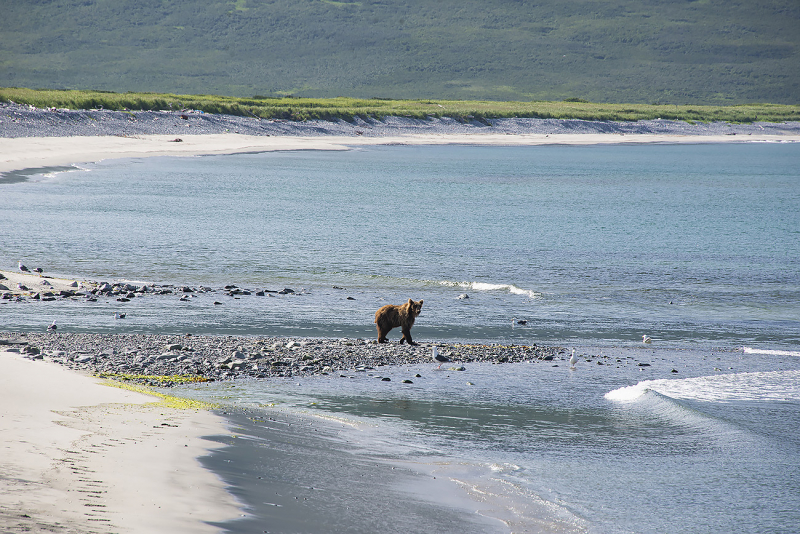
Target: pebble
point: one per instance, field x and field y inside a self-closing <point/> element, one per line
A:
<point x="236" y="357"/>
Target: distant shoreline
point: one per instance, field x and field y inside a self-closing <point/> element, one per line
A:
<point x="20" y="153"/>
<point x="42" y="138"/>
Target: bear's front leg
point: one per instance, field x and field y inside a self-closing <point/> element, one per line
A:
<point x="407" y="337"/>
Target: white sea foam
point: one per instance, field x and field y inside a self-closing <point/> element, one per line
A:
<point x="748" y="350"/>
<point x="764" y="386"/>
<point x="484" y="286"/>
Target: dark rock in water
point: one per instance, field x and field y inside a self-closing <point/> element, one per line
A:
<point x="285" y="291"/>
<point x="123" y="299"/>
<point x="386" y="379"/>
<point x="350" y="298"/>
<point x="644" y="365"/>
<point x="548" y="358"/>
<point x="217" y="303"/>
<point x="231" y="286"/>
<point x="407" y="382"/>
<point x="260" y="293"/>
<point x="674" y="370"/>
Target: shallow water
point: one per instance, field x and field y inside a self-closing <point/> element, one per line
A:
<point x="604" y="448"/>
<point x="588" y="244"/>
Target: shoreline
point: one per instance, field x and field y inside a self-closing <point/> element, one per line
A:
<point x="81" y="456"/>
<point x="40" y="138"/>
<point x="41" y="153"/>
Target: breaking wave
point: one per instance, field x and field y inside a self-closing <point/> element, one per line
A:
<point x="484" y="286"/>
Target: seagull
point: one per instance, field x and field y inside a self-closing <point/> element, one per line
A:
<point x="22" y="287"/>
<point x="646" y="339"/>
<point x="119" y="316"/>
<point x="573" y="360"/>
<point x="519" y="321"/>
<point x="52" y="327"/>
<point x="439" y="358"/>
<point x="23" y="268"/>
<point x="38" y="270"/>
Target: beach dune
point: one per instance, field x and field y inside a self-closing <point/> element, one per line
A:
<point x="80" y="456"/>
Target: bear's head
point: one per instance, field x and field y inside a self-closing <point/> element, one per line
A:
<point x="414" y="308"/>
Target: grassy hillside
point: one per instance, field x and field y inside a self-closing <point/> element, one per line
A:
<point x="640" y="51"/>
<point x="347" y="108"/>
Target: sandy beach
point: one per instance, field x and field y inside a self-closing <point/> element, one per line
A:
<point x="80" y="456"/>
<point x="41" y="152"/>
<point x="38" y="138"/>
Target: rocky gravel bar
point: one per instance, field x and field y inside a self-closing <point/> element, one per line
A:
<point x="165" y="360"/>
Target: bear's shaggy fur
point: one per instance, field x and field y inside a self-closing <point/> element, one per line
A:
<point x="391" y="316"/>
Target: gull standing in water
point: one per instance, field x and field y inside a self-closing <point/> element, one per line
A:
<point x="52" y="327"/>
<point x="646" y="339"/>
<point x="439" y="358"/>
<point x="23" y="268"/>
<point x="573" y="360"/>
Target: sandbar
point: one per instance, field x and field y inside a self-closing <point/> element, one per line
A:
<point x="80" y="456"/>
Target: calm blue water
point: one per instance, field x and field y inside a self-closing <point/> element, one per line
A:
<point x="588" y="244"/>
<point x="697" y="246"/>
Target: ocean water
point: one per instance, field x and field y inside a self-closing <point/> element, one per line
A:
<point x="598" y="245"/>
<point x="696" y="246"/>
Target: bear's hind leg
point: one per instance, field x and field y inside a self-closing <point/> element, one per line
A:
<point x="382" y="335"/>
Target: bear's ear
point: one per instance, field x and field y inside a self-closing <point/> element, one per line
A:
<point x="411" y="302"/>
<point x="420" y="302"/>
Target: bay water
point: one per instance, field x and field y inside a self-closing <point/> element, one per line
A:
<point x="696" y="246"/>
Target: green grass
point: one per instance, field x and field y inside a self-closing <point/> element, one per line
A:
<point x="347" y="108"/>
<point x="709" y="52"/>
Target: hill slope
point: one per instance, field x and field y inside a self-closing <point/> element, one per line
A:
<point x="701" y="51"/>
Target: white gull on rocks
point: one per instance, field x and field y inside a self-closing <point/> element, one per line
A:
<point x="573" y="360"/>
<point x="439" y="357"/>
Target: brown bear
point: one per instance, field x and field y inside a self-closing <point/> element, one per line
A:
<point x="391" y="316"/>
